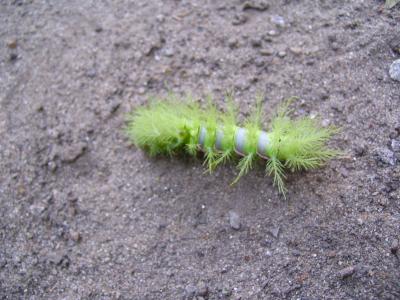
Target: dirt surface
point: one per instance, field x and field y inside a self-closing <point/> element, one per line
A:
<point x="84" y="215"/>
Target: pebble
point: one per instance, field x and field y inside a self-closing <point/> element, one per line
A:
<point x="12" y="44"/>
<point x="274" y="231"/>
<point x="73" y="152"/>
<point x="346" y="272"/>
<point x="325" y="123"/>
<point x="394" y="248"/>
<point x="296" y="50"/>
<point x="386" y="156"/>
<point x="13" y="56"/>
<point x="52" y="165"/>
<point x="160" y="18"/>
<point x="98" y="29"/>
<point x="394" y="70"/>
<point x="281" y="54"/>
<point x="266" y="52"/>
<point x="234" y="220"/>
<point x="202" y="290"/>
<point x="233" y="43"/>
<point x="75" y="236"/>
<point x="395" y="145"/>
<point x="91" y="73"/>
<point x="258" y="5"/>
<point x="360" y="150"/>
<point x="272" y="33"/>
<point x="259" y="62"/>
<point x="226" y="291"/>
<point x="256" y="43"/>
<point x="190" y="291"/>
<point x="239" y="19"/>
<point x="395" y="44"/>
<point x="278" y="21"/>
<point x="169" y="52"/>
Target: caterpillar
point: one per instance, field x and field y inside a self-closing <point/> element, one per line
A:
<point x="171" y="126"/>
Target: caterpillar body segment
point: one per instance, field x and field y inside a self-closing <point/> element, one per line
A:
<point x="170" y="126"/>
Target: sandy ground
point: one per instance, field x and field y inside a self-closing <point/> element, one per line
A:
<point x="85" y="215"/>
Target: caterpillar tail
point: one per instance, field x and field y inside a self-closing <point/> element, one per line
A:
<point x="170" y="126"/>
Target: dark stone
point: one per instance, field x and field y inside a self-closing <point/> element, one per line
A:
<point x="13" y="56"/>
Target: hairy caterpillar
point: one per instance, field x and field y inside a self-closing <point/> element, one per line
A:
<point x="169" y="126"/>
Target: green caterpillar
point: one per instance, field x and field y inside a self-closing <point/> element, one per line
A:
<point x="170" y="125"/>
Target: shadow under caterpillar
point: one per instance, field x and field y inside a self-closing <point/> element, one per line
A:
<point x="170" y="125"/>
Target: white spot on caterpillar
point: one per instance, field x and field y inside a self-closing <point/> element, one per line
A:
<point x="202" y="136"/>
<point x="240" y="141"/>
<point x="262" y="144"/>
<point x="218" y="139"/>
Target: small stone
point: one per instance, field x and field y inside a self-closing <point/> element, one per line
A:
<point x="37" y="209"/>
<point x="239" y="19"/>
<point x="344" y="172"/>
<point x="266" y="52"/>
<point x="202" y="290"/>
<point x="383" y="201"/>
<point x="272" y="33"/>
<point x="394" y="44"/>
<point x="73" y="152"/>
<point x="394" y="70"/>
<point x="160" y="18"/>
<point x="331" y="254"/>
<point x="190" y="291"/>
<point x="281" y="54"/>
<point x="296" y="50"/>
<point x="360" y="150"/>
<point x="98" y="29"/>
<point x="259" y="62"/>
<point x="113" y="107"/>
<point x="332" y="38"/>
<point x="386" y="156"/>
<point x="169" y="52"/>
<point x="60" y="260"/>
<point x="233" y="43"/>
<point x="75" y="235"/>
<point x="278" y="21"/>
<point x="256" y="42"/>
<point x="13" y="56"/>
<point x="39" y="107"/>
<point x="335" y="46"/>
<point x="234" y="220"/>
<point x="274" y="231"/>
<point x="226" y="291"/>
<point x="258" y="5"/>
<point x="12" y="44"/>
<point x="394" y="248"/>
<point x="91" y="73"/>
<point x="3" y="263"/>
<point x="346" y="272"/>
<point x="395" y="145"/>
<point x="325" y="123"/>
